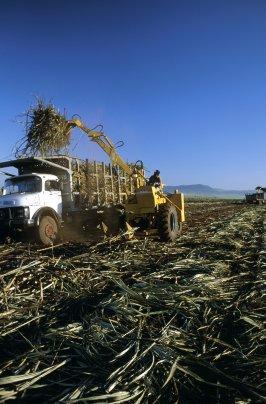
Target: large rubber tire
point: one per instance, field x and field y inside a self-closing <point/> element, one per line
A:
<point x="169" y="227"/>
<point x="48" y="230"/>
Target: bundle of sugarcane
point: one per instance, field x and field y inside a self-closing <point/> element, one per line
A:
<point x="47" y="131"/>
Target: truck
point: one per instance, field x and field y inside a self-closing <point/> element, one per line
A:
<point x="59" y="192"/>
<point x="259" y="197"/>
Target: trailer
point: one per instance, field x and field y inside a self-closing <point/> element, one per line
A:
<point x="259" y="197"/>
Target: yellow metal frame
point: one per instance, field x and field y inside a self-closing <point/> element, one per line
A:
<point x="148" y="198"/>
<point x="107" y="145"/>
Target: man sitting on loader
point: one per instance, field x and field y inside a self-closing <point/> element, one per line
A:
<point x="155" y="179"/>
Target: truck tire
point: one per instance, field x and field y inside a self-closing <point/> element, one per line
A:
<point x="47" y="230"/>
<point x="169" y="227"/>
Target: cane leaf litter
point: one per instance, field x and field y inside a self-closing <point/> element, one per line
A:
<point x="138" y="321"/>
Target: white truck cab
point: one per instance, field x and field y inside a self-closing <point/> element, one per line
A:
<point x="26" y="198"/>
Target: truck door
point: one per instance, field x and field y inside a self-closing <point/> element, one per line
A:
<point x="53" y="196"/>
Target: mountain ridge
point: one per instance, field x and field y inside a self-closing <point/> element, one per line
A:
<point x="206" y="190"/>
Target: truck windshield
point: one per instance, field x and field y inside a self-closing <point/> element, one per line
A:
<point x="23" y="185"/>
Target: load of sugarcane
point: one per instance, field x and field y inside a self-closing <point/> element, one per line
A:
<point x="46" y="131"/>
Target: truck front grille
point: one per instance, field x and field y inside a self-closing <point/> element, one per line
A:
<point x="10" y="213"/>
<point x="4" y="213"/>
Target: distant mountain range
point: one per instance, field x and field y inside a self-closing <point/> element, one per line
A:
<point x="207" y="191"/>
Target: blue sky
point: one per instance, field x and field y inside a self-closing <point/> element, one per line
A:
<point x="181" y="82"/>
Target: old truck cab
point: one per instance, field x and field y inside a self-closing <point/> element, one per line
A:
<point x="39" y="198"/>
<point x="26" y="196"/>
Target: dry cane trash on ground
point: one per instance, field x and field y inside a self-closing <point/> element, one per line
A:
<point x="138" y="321"/>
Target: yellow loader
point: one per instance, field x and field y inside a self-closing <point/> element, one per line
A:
<point x="148" y="208"/>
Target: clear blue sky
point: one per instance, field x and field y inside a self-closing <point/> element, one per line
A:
<point x="182" y="82"/>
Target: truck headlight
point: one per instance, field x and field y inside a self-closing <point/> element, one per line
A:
<point x="26" y="212"/>
<point x="23" y="212"/>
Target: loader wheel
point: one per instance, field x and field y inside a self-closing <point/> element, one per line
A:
<point x="47" y="230"/>
<point x="168" y="225"/>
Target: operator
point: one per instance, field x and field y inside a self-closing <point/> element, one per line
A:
<point x="155" y="179"/>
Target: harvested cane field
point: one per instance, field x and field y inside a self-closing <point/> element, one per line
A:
<point x="138" y="321"/>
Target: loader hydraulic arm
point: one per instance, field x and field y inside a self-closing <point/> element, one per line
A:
<point x="107" y="145"/>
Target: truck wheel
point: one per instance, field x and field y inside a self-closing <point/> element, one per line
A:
<point x="47" y="230"/>
<point x="169" y="228"/>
